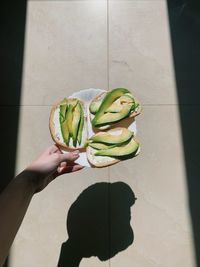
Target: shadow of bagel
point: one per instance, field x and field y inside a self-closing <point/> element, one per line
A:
<point x="98" y="224"/>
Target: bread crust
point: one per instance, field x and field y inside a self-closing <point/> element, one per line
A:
<point x="100" y="164"/>
<point x="52" y="129"/>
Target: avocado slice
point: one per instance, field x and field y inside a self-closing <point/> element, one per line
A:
<point x="109" y="118"/>
<point x="75" y="122"/>
<point x="119" y="151"/>
<point x="94" y="106"/>
<point x="63" y="109"/>
<point x="114" y="108"/>
<point x="100" y="146"/>
<point x="81" y="124"/>
<point x="65" y="125"/>
<point x="118" y="105"/>
<point x="68" y="118"/>
<point x="69" y="114"/>
<point x="136" y="106"/>
<point x="107" y="138"/>
<point x="65" y="131"/>
<point x="107" y="101"/>
<point x="62" y="114"/>
<point x="127" y="98"/>
<point x="63" y="102"/>
<point x="63" y="122"/>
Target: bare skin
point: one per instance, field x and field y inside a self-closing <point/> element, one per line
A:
<point x="16" y="198"/>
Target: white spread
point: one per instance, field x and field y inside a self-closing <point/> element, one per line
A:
<point x="56" y="123"/>
<point x="97" y="159"/>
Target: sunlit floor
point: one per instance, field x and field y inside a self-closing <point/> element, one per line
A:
<point x="73" y="45"/>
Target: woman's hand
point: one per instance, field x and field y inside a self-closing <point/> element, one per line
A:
<point x="49" y="165"/>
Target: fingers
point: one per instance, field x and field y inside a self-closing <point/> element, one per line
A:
<point x="74" y="168"/>
<point x="69" y="168"/>
<point x="71" y="156"/>
<point x="63" y="164"/>
<point x="77" y="168"/>
<point x="60" y="170"/>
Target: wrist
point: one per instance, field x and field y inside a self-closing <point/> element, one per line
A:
<point x="28" y="179"/>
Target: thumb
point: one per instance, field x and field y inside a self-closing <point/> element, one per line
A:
<point x="71" y="156"/>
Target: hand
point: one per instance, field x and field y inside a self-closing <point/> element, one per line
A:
<point x="51" y="164"/>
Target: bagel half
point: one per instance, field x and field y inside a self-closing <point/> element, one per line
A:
<point x="104" y="161"/>
<point x="132" y="114"/>
<point x="55" y="128"/>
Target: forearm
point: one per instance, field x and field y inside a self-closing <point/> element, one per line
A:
<point x="15" y="199"/>
<point x="14" y="202"/>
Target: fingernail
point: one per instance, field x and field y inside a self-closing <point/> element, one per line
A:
<point x="76" y="155"/>
<point x="76" y="152"/>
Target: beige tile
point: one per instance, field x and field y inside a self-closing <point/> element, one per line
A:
<point x="44" y="227"/>
<point x="65" y="49"/>
<point x="140" y="50"/>
<point x="43" y="230"/>
<point x="160" y="216"/>
<point x="33" y="134"/>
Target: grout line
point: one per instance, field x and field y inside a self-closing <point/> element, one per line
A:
<point x="108" y="86"/>
<point x="108" y="65"/>
<point x="178" y="105"/>
<point x="143" y="105"/>
<point x="70" y="0"/>
<point x="32" y="105"/>
<point x="108" y="47"/>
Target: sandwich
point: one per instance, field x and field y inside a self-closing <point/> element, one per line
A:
<point x="113" y="106"/>
<point x="68" y="124"/>
<point x="112" y="146"/>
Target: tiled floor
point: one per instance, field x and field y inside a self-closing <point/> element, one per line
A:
<point x="72" y="45"/>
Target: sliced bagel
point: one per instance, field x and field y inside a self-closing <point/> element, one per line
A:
<point x="55" y="128"/>
<point x="103" y="161"/>
<point x="97" y="101"/>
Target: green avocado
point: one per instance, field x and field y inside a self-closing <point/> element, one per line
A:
<point x="109" y="98"/>
<point x="136" y="106"/>
<point x="114" y="108"/>
<point x="69" y="114"/>
<point x="127" y="98"/>
<point x="129" y="94"/>
<point x="107" y="138"/>
<point x="75" y="122"/>
<point x="120" y="151"/>
<point x="94" y="106"/>
<point x="100" y="146"/>
<point x="81" y="124"/>
<point x="63" y="102"/>
<point x="63" y="109"/>
<point x="108" y="118"/>
<point x="62" y="114"/>
<point x="68" y="118"/>
<point x="65" y="129"/>
<point x="63" y="122"/>
<point x="65" y="132"/>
